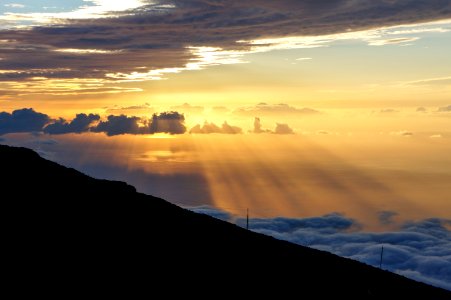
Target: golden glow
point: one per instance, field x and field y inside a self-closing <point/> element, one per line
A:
<point x="293" y="176"/>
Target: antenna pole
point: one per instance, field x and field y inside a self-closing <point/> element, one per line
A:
<point x="382" y="256"/>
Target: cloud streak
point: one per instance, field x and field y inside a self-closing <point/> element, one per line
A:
<point x="146" y="40"/>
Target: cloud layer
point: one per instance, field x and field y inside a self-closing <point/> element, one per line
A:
<point x="169" y="36"/>
<point x="420" y="250"/>
<point x="28" y="120"/>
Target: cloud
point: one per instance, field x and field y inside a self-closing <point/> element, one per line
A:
<point x="229" y="129"/>
<point x="402" y="133"/>
<point x="188" y="108"/>
<point x="420" y="250"/>
<point x="403" y="41"/>
<point x="168" y="122"/>
<point x="220" y="109"/>
<point x="208" y="128"/>
<point x="388" y="111"/>
<point x="258" y="127"/>
<point x="323" y="132"/>
<point x="143" y="109"/>
<point x="422" y="109"/>
<point x="386" y="217"/>
<point x="165" y="122"/>
<point x="431" y="81"/>
<point x="280" y="128"/>
<point x="14" y="5"/>
<point x="270" y="109"/>
<point x="90" y="10"/>
<point x="111" y="43"/>
<point x="117" y="125"/>
<point x="436" y="136"/>
<point x="283" y="129"/>
<point x="80" y="124"/>
<point x="22" y="120"/>
<point x="27" y="120"/>
<point x="444" y="109"/>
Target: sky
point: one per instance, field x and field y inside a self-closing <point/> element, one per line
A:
<point x="295" y="110"/>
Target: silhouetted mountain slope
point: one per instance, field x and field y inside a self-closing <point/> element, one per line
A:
<point x="69" y="234"/>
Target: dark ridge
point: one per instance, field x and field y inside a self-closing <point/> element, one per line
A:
<point x="67" y="234"/>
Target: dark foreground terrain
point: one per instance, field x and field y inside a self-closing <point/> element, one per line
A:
<point x="66" y="234"/>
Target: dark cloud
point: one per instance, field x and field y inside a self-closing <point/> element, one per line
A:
<point x="165" y="122"/>
<point x="81" y="123"/>
<point x="386" y="217"/>
<point x="208" y="128"/>
<point x="22" y="120"/>
<point x="116" y="125"/>
<point x="420" y="250"/>
<point x="162" y="35"/>
<point x="333" y="222"/>
<point x="283" y="129"/>
<point x="28" y="120"/>
<point x="168" y="122"/>
<point x="444" y="109"/>
<point x="269" y="109"/>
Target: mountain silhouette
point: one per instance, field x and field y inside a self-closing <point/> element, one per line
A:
<point x="67" y="234"/>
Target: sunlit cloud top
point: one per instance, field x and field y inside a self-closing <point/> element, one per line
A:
<point x="25" y="14"/>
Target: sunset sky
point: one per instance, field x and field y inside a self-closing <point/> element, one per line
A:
<point x="294" y="109"/>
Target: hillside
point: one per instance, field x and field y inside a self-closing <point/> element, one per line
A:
<point x="70" y="234"/>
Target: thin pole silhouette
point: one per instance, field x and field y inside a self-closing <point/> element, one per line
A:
<point x="382" y="256"/>
<point x="247" y="219"/>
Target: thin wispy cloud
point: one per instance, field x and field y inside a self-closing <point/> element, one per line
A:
<point x="14" y="5"/>
<point x="394" y="41"/>
<point x="446" y="80"/>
